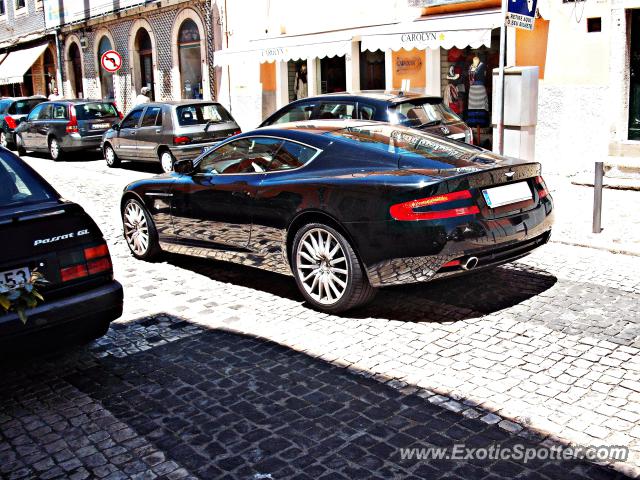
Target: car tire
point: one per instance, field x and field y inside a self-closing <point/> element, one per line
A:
<point x="96" y="331"/>
<point x="110" y="156"/>
<point x="139" y="231"/>
<point x="327" y="269"/>
<point x="55" y="152"/>
<point x="20" y="146"/>
<point x="166" y="161"/>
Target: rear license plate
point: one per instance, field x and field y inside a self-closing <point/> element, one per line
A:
<point x="13" y="278"/>
<point x="506" y="194"/>
<point x="99" y="126"/>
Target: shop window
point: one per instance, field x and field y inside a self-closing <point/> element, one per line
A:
<point x="298" y="81"/>
<point x="106" y="78"/>
<point x="333" y="76"/>
<point x="76" y="70"/>
<point x="190" y="56"/>
<point x="21" y="4"/>
<point x="594" y="24"/>
<point x="372" y="70"/>
<point x="2" y="8"/>
<point x="144" y="50"/>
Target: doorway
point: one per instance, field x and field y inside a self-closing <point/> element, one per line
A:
<point x="372" y="70"/>
<point x="333" y="74"/>
<point x="634" y="77"/>
<point x="144" y="48"/>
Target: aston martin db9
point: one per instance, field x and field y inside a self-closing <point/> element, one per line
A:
<point x="345" y="207"/>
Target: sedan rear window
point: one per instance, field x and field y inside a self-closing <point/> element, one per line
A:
<point x="93" y="111"/>
<point x="420" y="114"/>
<point x="201" y="114"/>
<point x="19" y="185"/>
<point x="23" y="107"/>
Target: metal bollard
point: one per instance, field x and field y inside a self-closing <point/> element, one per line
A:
<point x="597" y="198"/>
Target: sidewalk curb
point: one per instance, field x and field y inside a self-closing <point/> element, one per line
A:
<point x="597" y="247"/>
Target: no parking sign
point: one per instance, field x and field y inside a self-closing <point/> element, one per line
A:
<point x="111" y="61"/>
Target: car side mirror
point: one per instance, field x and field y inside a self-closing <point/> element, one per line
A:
<point x="115" y="126"/>
<point x="183" y="166"/>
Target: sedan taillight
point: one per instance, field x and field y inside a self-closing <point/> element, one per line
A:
<point x="11" y="123"/>
<point x="72" y="126"/>
<point x="91" y="261"/>
<point x="407" y="211"/>
<point x="181" y="140"/>
<point x="541" y="187"/>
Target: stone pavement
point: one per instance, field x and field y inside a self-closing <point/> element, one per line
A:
<point x="545" y="349"/>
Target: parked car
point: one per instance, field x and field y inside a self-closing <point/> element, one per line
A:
<point x="39" y="231"/>
<point x="64" y="126"/>
<point x="168" y="131"/>
<point x="12" y="111"/>
<point x="425" y="113"/>
<point x="344" y="206"/>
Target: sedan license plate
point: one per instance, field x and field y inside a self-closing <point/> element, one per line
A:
<point x="13" y="278"/>
<point x="99" y="126"/>
<point x="506" y="194"/>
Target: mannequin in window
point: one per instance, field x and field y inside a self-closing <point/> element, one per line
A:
<point x="478" y="109"/>
<point x="300" y="84"/>
<point x="451" y="95"/>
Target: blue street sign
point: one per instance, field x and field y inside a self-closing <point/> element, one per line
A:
<point x="521" y="13"/>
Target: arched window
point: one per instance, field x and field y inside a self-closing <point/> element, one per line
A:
<point x="49" y="71"/>
<point x="106" y="78"/>
<point x="144" y="48"/>
<point x="190" y="57"/>
<point x="76" y="70"/>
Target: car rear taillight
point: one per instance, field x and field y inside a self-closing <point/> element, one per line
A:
<point x="406" y="211"/>
<point x="541" y="187"/>
<point x="182" y="140"/>
<point x="90" y="261"/>
<point x="118" y="111"/>
<point x="72" y="126"/>
<point x="11" y="123"/>
<point x="237" y="132"/>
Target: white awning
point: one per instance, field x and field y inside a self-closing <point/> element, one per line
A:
<point x="459" y="30"/>
<point x="13" y="68"/>
<point x="284" y="49"/>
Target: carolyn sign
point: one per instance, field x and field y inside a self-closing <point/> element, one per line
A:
<point x="521" y="14"/>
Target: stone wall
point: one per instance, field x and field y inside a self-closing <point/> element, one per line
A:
<point x="13" y="27"/>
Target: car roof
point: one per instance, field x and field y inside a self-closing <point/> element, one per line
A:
<point x="393" y="96"/>
<point x="184" y="102"/>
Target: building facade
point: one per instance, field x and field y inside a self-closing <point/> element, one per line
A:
<point x="164" y="46"/>
<point x="28" y="55"/>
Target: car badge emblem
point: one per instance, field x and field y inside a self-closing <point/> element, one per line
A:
<point x="445" y="130"/>
<point x="510" y="175"/>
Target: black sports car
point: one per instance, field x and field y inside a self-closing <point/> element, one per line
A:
<point x="40" y="232"/>
<point x="345" y="207"/>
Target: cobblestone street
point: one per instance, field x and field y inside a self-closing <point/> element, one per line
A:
<point x="221" y="371"/>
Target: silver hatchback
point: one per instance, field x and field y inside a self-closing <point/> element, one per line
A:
<point x="165" y="132"/>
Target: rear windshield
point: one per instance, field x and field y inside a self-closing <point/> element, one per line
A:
<point x="93" y="111"/>
<point x="18" y="185"/>
<point x="23" y="107"/>
<point x="421" y="113"/>
<point x="201" y="114"/>
<point x="409" y="143"/>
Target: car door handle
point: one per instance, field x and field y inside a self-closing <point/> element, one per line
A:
<point x="133" y="134"/>
<point x="158" y="130"/>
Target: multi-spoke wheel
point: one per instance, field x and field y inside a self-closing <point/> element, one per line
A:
<point x="167" y="161"/>
<point x="327" y="269"/>
<point x="110" y="156"/>
<point x="54" y="150"/>
<point x="139" y="231"/>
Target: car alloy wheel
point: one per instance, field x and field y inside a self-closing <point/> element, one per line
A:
<point x="3" y="140"/>
<point x="54" y="149"/>
<point x="166" y="161"/>
<point x="110" y="156"/>
<point x="136" y="228"/>
<point x="322" y="266"/>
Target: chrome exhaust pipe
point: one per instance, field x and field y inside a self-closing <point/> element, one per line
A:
<point x="470" y="263"/>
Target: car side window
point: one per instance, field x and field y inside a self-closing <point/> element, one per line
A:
<point x="35" y="113"/>
<point x="296" y="113"/>
<point x="150" y="118"/>
<point x="336" y="111"/>
<point x="366" y="112"/>
<point x="131" y="120"/>
<point x="59" y="112"/>
<point x="291" y="155"/>
<point x="245" y="155"/>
